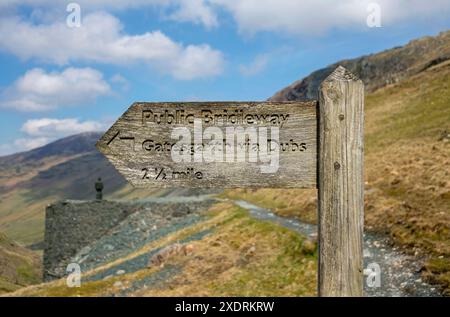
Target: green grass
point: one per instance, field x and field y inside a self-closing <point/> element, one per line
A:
<point x="27" y="274"/>
<point x="437" y="270"/>
<point x="415" y="108"/>
<point x="298" y="203"/>
<point x="22" y="221"/>
<point x="6" y="286"/>
<point x="19" y="266"/>
<point x="288" y="272"/>
<point x="242" y="256"/>
<point x="406" y="171"/>
<point x="281" y="264"/>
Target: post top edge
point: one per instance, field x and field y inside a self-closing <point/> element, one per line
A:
<point x="342" y="74"/>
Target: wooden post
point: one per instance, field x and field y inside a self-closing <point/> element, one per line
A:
<point x="341" y="184"/>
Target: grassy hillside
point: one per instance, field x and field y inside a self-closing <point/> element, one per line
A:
<point x="29" y="181"/>
<point x="64" y="169"/>
<point x="239" y="256"/>
<point x="407" y="158"/>
<point x="19" y="267"/>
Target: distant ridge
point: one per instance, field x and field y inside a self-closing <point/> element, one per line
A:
<point x="67" y="168"/>
<point x="377" y="70"/>
<point x="63" y="169"/>
<point x="74" y="144"/>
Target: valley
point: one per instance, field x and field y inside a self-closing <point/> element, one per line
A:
<point x="236" y="250"/>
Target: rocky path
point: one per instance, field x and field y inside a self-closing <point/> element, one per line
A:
<point x="399" y="272"/>
<point x="154" y="219"/>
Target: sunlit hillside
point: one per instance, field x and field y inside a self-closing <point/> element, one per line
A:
<point x="407" y="167"/>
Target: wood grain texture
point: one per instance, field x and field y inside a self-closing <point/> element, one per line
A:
<point x="123" y="145"/>
<point x="341" y="185"/>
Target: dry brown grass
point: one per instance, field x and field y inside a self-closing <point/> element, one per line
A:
<point x="298" y="203"/>
<point x="245" y="257"/>
<point x="241" y="257"/>
<point x="407" y="171"/>
<point x="19" y="266"/>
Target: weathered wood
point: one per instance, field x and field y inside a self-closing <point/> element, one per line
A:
<point x="126" y="144"/>
<point x="341" y="185"/>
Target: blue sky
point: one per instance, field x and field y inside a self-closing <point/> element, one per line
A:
<point x="57" y="79"/>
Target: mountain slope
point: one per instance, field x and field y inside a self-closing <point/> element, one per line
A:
<point x="217" y="251"/>
<point x="18" y="168"/>
<point x="377" y="70"/>
<point x="18" y="266"/>
<point x="407" y="160"/>
<point x="64" y="169"/>
<point x="407" y="171"/>
<point x="65" y="147"/>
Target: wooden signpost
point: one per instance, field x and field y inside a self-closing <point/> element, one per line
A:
<point x="302" y="144"/>
<point x="140" y="145"/>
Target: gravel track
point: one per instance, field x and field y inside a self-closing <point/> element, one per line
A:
<point x="399" y="272"/>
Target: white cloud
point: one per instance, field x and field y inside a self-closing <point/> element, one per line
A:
<point x="38" y="132"/>
<point x="312" y="17"/>
<point x="47" y="127"/>
<point x="22" y="144"/>
<point x="121" y="82"/>
<point x="38" y="90"/>
<point x="25" y="144"/>
<point x="306" y="17"/>
<point x="101" y="39"/>
<point x="257" y="66"/>
<point x="195" y="11"/>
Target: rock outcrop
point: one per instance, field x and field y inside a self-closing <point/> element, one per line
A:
<point x="73" y="225"/>
<point x="92" y="233"/>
